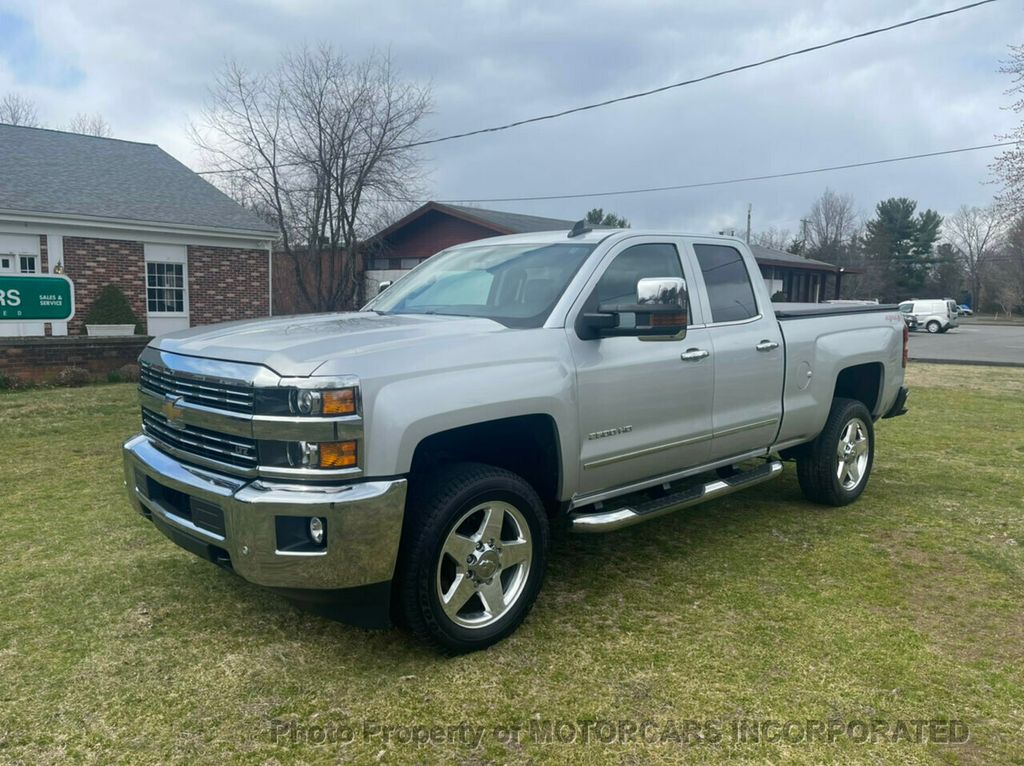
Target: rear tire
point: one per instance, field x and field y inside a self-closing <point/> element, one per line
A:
<point x="933" y="327"/>
<point x="834" y="469"/>
<point x="473" y="557"/>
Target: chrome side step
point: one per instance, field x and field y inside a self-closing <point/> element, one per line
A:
<point x="608" y="521"/>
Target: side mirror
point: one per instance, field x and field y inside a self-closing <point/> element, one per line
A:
<point x="382" y="286"/>
<point x="661" y="310"/>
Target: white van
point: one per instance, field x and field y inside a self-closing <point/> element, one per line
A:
<point x="933" y="315"/>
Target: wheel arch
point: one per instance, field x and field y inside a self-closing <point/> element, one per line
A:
<point x="863" y="382"/>
<point x="527" y="445"/>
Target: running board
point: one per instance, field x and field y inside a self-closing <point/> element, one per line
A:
<point x="609" y="521"/>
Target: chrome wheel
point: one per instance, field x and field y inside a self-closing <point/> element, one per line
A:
<point x="852" y="452"/>
<point x="484" y="564"/>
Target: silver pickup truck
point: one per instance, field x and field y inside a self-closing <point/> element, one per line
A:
<point x="405" y="462"/>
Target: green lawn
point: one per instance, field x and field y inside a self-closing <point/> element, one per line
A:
<point x="117" y="647"/>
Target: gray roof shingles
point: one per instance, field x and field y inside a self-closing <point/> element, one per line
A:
<point x="781" y="257"/>
<point x="517" y="223"/>
<point x="66" y="174"/>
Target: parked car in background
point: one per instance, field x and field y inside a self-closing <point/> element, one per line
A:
<point x="934" y="315"/>
<point x="965" y="310"/>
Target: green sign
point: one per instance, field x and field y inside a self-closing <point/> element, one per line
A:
<point x="31" y="297"/>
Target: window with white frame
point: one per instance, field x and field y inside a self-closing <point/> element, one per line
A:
<point x="165" y="287"/>
<point x="27" y="264"/>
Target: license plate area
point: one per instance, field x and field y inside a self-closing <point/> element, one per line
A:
<point x="202" y="513"/>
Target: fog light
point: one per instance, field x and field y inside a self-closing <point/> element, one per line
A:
<point x="316" y="530"/>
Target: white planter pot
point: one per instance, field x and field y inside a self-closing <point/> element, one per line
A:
<point x="109" y="330"/>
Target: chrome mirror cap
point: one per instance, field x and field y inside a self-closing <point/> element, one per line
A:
<point x="661" y="291"/>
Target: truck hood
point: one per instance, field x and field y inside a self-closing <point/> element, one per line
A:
<point x="297" y="346"/>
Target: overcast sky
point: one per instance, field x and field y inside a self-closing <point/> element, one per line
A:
<point x="145" y="66"/>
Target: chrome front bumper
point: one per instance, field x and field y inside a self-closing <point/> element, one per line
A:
<point x="364" y="522"/>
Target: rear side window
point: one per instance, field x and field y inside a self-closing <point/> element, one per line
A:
<point x="727" y="283"/>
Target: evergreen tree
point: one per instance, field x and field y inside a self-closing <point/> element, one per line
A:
<point x="900" y="245"/>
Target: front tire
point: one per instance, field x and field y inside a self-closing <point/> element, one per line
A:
<point x="473" y="557"/>
<point x="835" y="467"/>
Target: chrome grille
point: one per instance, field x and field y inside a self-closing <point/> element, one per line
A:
<point x="232" y="450"/>
<point x="197" y="390"/>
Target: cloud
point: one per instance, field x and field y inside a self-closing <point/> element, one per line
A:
<point x="929" y="87"/>
<point x="28" y="61"/>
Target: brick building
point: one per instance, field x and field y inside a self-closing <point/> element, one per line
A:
<point x="105" y="211"/>
<point x="435" y="226"/>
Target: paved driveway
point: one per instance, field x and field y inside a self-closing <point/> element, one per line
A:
<point x="970" y="343"/>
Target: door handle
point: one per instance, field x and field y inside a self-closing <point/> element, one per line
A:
<point x="767" y="345"/>
<point x="694" y="354"/>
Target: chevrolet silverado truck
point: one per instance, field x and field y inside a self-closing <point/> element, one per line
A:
<point x="404" y="463"/>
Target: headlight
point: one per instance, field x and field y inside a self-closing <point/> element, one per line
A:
<point x="339" y="401"/>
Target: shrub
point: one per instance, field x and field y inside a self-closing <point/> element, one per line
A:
<point x="111" y="307"/>
<point x="127" y="373"/>
<point x="72" y="376"/>
<point x="779" y="297"/>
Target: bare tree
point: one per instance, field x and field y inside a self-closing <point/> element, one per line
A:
<point x="831" y="225"/>
<point x="90" y="125"/>
<point x="320" y="147"/>
<point x="18" y="110"/>
<point x="776" y="239"/>
<point x="1008" y="167"/>
<point x="975" y="232"/>
<point x="1006" y="279"/>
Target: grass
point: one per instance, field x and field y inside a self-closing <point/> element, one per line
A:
<point x="117" y="647"/>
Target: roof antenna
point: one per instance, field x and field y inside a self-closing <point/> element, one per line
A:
<point x="580" y="227"/>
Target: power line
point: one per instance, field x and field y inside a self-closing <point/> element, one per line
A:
<point x="663" y="88"/>
<point x="704" y="184"/>
<point x="703" y="78"/>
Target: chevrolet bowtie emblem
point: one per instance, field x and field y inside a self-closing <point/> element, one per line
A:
<point x="172" y="411"/>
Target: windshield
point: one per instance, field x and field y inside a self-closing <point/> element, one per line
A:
<point x="517" y="285"/>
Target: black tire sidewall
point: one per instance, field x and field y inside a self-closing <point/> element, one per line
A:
<point x="498" y="485"/>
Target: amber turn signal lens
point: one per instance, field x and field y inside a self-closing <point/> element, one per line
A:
<point x="340" y="402"/>
<point x="338" y="454"/>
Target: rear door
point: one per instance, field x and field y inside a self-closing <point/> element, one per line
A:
<point x="747" y="350"/>
<point x="953" y="312"/>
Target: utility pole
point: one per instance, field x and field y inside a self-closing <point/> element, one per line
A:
<point x="749" y="209"/>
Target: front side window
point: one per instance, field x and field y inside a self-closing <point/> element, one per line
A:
<point x="618" y="283"/>
<point x="165" y="288"/>
<point x="727" y="283"/>
<point x="515" y="284"/>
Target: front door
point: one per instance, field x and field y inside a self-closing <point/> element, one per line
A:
<point x="749" y="357"/>
<point x="644" y="404"/>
